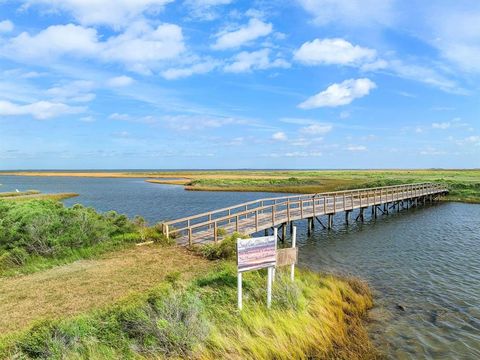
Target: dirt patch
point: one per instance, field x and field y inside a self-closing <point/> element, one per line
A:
<point x="90" y="284"/>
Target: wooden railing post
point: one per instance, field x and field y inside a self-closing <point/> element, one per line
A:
<point x="273" y="214"/>
<point x="324" y="205"/>
<point x="236" y="223"/>
<point x="215" y="231"/>
<point x="288" y="210"/>
<point x="301" y="209"/>
<point x="256" y="221"/>
<point x="190" y="240"/>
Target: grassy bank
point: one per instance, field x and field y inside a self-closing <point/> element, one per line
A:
<point x="464" y="185"/>
<point x="40" y="234"/>
<point x="318" y="316"/>
<point x="157" y="301"/>
<point x="34" y="195"/>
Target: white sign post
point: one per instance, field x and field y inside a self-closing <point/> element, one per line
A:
<point x="294" y="243"/>
<point x="254" y="254"/>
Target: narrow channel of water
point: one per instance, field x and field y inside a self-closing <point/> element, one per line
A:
<point x="427" y="259"/>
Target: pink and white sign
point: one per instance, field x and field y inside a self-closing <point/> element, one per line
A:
<point x="256" y="253"/>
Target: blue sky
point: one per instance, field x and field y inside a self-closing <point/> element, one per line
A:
<point x="239" y="84"/>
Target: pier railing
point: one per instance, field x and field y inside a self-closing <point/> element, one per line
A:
<point x="253" y="216"/>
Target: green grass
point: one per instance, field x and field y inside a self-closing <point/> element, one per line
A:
<point x="317" y="316"/>
<point x="464" y="185"/>
<point x="40" y="234"/>
<point x="21" y="193"/>
<point x="34" y="195"/>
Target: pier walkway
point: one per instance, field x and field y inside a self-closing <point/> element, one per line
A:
<point x="261" y="215"/>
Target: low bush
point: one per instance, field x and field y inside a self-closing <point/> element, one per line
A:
<point x="225" y="249"/>
<point x="43" y="230"/>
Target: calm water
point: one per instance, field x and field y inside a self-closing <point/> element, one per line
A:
<point x="425" y="259"/>
<point x="155" y="202"/>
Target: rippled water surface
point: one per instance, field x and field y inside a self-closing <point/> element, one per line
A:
<point x="427" y="259"/>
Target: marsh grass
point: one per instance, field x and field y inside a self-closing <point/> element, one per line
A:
<point x="21" y="193"/>
<point x="315" y="317"/>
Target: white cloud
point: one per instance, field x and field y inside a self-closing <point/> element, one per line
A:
<point x="120" y="81"/>
<point x="442" y="125"/>
<point x="279" y="136"/>
<point x="427" y="75"/>
<point x="248" y="61"/>
<point x="333" y="52"/>
<point x="198" y="122"/>
<point x="6" y="26"/>
<point x="356" y="148"/>
<point x="200" y="68"/>
<point x="431" y="151"/>
<point x="102" y="12"/>
<point x="316" y="129"/>
<point x="454" y="29"/>
<point x="75" y="91"/>
<point x="205" y="9"/>
<point x="139" y="48"/>
<point x="118" y="116"/>
<point x="234" y="39"/>
<point x="350" y="12"/>
<point x="87" y="119"/>
<point x="40" y="110"/>
<point x="339" y="94"/>
<point x="300" y="154"/>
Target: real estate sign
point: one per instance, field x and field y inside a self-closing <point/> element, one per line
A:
<point x="256" y="253"/>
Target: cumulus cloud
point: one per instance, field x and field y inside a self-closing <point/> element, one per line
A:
<point x="140" y="48"/>
<point x="102" y="12"/>
<point x="6" y="26"/>
<point x="339" y="94"/>
<point x="40" y="110"/>
<point x="120" y="81"/>
<point x="248" y="61"/>
<point x="333" y="52"/>
<point x="243" y="35"/>
<point x="279" y="136"/>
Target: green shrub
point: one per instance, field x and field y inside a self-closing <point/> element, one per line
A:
<point x="225" y="249"/>
<point x="45" y="230"/>
<point x="169" y="323"/>
<point x="45" y="340"/>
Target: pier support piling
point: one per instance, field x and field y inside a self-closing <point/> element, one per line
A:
<point x="330" y="221"/>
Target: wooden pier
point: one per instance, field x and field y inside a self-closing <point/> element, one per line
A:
<point x="263" y="214"/>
